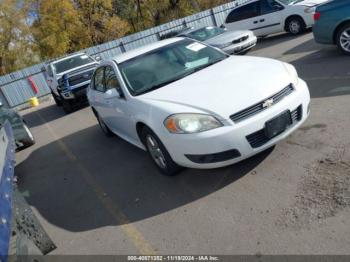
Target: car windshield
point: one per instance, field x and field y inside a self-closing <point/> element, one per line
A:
<point x="290" y="2"/>
<point x="206" y="33"/>
<point x="168" y="64"/>
<point x="72" y="62"/>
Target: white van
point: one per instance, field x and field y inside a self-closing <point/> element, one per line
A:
<point x="266" y="17"/>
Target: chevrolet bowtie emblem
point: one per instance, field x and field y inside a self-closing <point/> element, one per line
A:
<point x="268" y="103"/>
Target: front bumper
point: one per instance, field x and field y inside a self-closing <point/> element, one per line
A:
<point x="77" y="92"/>
<point x="241" y="47"/>
<point x="233" y="136"/>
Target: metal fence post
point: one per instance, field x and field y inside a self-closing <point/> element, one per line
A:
<point x="122" y="47"/>
<point x="215" y="22"/>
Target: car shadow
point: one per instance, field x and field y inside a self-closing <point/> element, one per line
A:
<point x="69" y="182"/>
<point x="49" y="112"/>
<point x="323" y="67"/>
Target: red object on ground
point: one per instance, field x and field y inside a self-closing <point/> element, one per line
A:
<point x="33" y="85"/>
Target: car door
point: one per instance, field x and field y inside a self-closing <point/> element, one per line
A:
<point x="118" y="109"/>
<point x="97" y="93"/>
<point x="244" y="17"/>
<point x="271" y="18"/>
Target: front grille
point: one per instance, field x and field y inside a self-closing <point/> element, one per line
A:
<point x="259" y="107"/>
<point x="240" y="40"/>
<point x="81" y="78"/>
<point x="259" y="138"/>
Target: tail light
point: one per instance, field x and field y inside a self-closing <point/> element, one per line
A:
<point x="317" y="16"/>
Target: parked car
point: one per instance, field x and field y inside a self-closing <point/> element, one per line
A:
<point x="23" y="137"/>
<point x="68" y="79"/>
<point x="332" y="24"/>
<point x="232" y="42"/>
<point x="266" y="17"/>
<point x="191" y="105"/>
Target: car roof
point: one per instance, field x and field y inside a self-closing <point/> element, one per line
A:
<point x="145" y="49"/>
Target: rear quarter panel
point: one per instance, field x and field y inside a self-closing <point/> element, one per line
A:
<point x="333" y="15"/>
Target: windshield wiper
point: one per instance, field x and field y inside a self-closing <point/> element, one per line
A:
<point x="207" y="65"/>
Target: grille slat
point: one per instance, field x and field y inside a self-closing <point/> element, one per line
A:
<point x="257" y="108"/>
<point x="259" y="138"/>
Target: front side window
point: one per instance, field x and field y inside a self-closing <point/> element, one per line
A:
<point x="72" y="62"/>
<point x="99" y="80"/>
<point x="168" y="64"/>
<point x="206" y="33"/>
<point x="244" y="12"/>
<point x="111" y="79"/>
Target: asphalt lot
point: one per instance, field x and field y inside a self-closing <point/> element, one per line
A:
<point x="99" y="195"/>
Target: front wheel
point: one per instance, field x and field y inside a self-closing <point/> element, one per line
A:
<point x="295" y="25"/>
<point x="159" y="154"/>
<point x="67" y="106"/>
<point x="56" y="99"/>
<point x="343" y="39"/>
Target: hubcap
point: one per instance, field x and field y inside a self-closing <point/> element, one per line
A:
<point x="345" y="40"/>
<point x="294" y="27"/>
<point x="156" y="152"/>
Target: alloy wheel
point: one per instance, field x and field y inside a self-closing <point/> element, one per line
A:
<point x="345" y="40"/>
<point x="294" y="27"/>
<point x="155" y="151"/>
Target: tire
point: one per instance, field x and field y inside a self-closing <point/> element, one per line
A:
<point x="56" y="99"/>
<point x="159" y="154"/>
<point x="343" y="39"/>
<point x="29" y="140"/>
<point x="105" y="129"/>
<point x="295" y="25"/>
<point x="67" y="106"/>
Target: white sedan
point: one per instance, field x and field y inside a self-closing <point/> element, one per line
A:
<point x="192" y="105"/>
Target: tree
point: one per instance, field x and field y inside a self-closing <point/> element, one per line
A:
<point x="15" y="40"/>
<point x="57" y="29"/>
<point x="100" y="22"/>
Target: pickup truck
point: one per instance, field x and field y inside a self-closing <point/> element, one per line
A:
<point x="68" y="79"/>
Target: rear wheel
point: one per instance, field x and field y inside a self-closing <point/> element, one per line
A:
<point x="343" y="39"/>
<point x="159" y="154"/>
<point x="295" y="25"/>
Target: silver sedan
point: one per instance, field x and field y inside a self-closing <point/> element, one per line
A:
<point x="232" y="42"/>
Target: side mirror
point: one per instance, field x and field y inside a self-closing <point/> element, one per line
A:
<point x="98" y="58"/>
<point x="111" y="93"/>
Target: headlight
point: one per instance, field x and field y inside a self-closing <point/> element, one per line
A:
<point x="191" y="123"/>
<point x="293" y="73"/>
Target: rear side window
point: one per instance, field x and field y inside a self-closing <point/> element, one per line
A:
<point x="99" y="80"/>
<point x="244" y="12"/>
<point x="269" y="6"/>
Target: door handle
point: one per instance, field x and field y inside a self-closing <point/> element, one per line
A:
<point x="262" y="20"/>
<point x="255" y="22"/>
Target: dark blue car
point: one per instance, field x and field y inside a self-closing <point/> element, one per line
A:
<point x="332" y="24"/>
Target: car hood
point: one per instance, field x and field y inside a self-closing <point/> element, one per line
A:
<point x="311" y="2"/>
<point x="227" y="87"/>
<point x="227" y="37"/>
